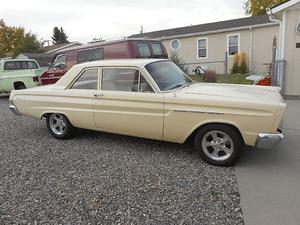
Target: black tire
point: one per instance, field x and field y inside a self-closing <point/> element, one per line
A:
<point x="19" y="86"/>
<point x="68" y="131"/>
<point x="234" y="144"/>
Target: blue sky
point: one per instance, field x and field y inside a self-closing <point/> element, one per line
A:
<point x="84" y="20"/>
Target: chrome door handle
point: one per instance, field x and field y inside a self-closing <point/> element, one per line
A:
<point x="98" y="95"/>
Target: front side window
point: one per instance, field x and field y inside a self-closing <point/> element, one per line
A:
<point x="167" y="75"/>
<point x="144" y="50"/>
<point x="60" y="61"/>
<point x="202" y="48"/>
<point x="31" y="65"/>
<point x="233" y="44"/>
<point x="123" y="79"/>
<point x="88" y="80"/>
<point x="90" y="55"/>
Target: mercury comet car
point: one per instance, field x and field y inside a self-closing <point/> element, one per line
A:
<point x="153" y="98"/>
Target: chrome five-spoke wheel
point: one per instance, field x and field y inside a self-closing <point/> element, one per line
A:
<point x="217" y="145"/>
<point x="57" y="123"/>
<point x="59" y="126"/>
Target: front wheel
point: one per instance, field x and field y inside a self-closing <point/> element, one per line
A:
<point x="59" y="126"/>
<point x="219" y="145"/>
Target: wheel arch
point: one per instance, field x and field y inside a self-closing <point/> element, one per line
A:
<point x="45" y="114"/>
<point x="16" y="83"/>
<point x="192" y="133"/>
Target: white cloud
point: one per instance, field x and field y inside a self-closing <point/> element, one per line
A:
<point x="84" y="20"/>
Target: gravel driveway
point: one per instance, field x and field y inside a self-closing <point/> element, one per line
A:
<point x="100" y="178"/>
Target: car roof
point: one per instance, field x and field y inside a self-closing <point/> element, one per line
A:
<point x="119" y="62"/>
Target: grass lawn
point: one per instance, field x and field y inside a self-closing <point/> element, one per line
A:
<point x="230" y="79"/>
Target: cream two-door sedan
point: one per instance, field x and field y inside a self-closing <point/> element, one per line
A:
<point x="154" y="99"/>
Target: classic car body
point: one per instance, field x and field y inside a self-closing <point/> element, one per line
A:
<point x="253" y="113"/>
<point x="19" y="74"/>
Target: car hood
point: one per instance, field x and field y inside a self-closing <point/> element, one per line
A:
<point x="231" y="91"/>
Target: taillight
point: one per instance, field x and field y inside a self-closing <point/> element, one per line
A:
<point x="35" y="79"/>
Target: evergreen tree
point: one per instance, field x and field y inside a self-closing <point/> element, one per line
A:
<point x="56" y="36"/>
<point x="59" y="36"/>
<point x="63" y="36"/>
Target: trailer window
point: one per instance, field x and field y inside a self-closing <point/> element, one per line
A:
<point x="90" y="55"/>
<point x="144" y="50"/>
<point x="157" y="49"/>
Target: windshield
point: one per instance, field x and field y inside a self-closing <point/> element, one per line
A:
<point x="167" y="75"/>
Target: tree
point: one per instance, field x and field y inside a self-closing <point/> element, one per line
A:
<point x="56" y="35"/>
<point x="260" y="7"/>
<point x="59" y="36"/>
<point x="16" y="40"/>
<point x="63" y="36"/>
<point x="178" y="60"/>
<point x="28" y="43"/>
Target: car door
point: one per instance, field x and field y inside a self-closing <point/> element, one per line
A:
<point x="78" y="99"/>
<point x="11" y="73"/>
<point x="127" y="104"/>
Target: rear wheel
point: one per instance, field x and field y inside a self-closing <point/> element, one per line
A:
<point x="59" y="126"/>
<point x="219" y="145"/>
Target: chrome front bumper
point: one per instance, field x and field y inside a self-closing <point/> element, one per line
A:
<point x="269" y="140"/>
<point x="14" y="109"/>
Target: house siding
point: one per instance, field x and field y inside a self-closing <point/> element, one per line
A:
<point x="292" y="54"/>
<point x="217" y="46"/>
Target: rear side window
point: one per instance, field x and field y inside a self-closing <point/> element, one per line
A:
<point x="157" y="49"/>
<point x="144" y="50"/>
<point x="20" y="65"/>
<point x="90" y="55"/>
<point x="88" y="80"/>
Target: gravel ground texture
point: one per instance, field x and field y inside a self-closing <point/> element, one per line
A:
<point x="100" y="178"/>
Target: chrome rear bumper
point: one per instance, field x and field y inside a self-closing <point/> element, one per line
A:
<point x="269" y="140"/>
<point x="14" y="109"/>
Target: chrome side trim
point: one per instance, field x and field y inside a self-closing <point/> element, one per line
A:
<point x="265" y="140"/>
<point x="199" y="111"/>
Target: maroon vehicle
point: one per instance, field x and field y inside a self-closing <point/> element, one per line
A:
<point x="121" y="49"/>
